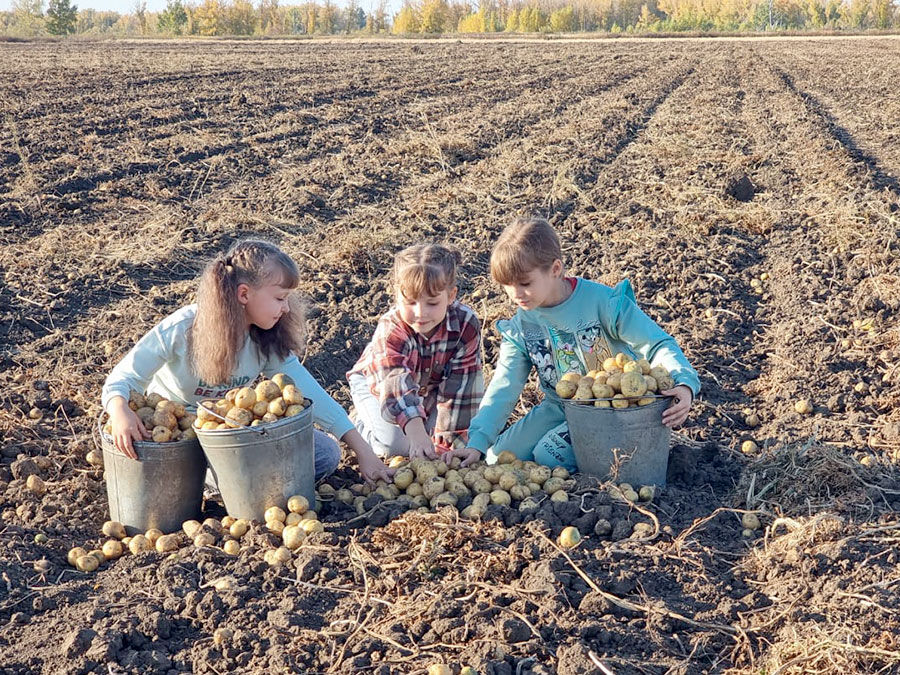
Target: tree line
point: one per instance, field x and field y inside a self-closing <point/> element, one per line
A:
<point x="29" y="18"/>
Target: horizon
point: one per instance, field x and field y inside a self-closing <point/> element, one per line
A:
<point x="160" y="5"/>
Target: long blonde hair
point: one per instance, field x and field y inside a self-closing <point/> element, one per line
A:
<point x="425" y="269"/>
<point x="218" y="332"/>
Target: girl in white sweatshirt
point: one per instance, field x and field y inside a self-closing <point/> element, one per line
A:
<point x="246" y="321"/>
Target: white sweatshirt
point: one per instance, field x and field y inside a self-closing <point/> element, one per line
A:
<point x="160" y="363"/>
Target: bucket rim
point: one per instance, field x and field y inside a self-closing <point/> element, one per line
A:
<point x="138" y="445"/>
<point x="587" y="404"/>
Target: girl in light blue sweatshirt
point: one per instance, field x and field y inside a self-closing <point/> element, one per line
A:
<point x="246" y="321"/>
<point x="563" y="325"/>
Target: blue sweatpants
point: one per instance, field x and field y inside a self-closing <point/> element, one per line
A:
<point x="541" y="436"/>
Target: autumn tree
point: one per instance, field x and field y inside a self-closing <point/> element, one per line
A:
<point x="61" y="17"/>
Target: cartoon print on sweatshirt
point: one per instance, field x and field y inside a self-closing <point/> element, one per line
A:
<point x="541" y="356"/>
<point x="594" y="346"/>
<point x="568" y="353"/>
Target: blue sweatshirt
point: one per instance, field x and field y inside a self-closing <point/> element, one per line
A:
<point x="594" y="323"/>
<point x="160" y="363"/>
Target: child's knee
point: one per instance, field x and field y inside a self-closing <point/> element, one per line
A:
<point x="555" y="449"/>
<point x="327" y="454"/>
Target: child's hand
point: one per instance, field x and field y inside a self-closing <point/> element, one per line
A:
<point x="372" y="468"/>
<point x="678" y="411"/>
<point x="126" y="427"/>
<point x="420" y="443"/>
<point x="467" y="455"/>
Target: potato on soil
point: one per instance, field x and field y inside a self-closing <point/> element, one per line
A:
<point x="231" y="547"/>
<point x="87" y="563"/>
<point x="223" y="636"/>
<point x="113" y="549"/>
<point x="74" y="554"/>
<point x="750" y="521"/>
<point x="36" y="485"/>
<point x="559" y="496"/>
<point x="500" y="498"/>
<point x="569" y="537"/>
<point x="506" y="457"/>
<point x="139" y="544"/>
<point x="204" y="539"/>
<point x="167" y="543"/>
<point x="439" y="669"/>
<point x="293" y="536"/>
<point x="298" y="504"/>
<point x="749" y="447"/>
<point x="803" y="406"/>
<point x="312" y="526"/>
<point x="191" y="528"/>
<point x="238" y="528"/>
<point x="275" y="526"/>
<point x="645" y="494"/>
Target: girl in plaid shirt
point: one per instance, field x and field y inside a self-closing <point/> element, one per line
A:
<point x="419" y="381"/>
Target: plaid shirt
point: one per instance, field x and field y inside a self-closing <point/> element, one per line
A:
<point x="412" y="374"/>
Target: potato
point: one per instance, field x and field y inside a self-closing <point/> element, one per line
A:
<point x="166" y="406"/>
<point x="507" y="481"/>
<point x="619" y="402"/>
<point x="630" y="495"/>
<point x="223" y="636"/>
<point x="203" y="412"/>
<point x="282" y="380"/>
<point x="566" y="389"/>
<point x="222" y="407"/>
<point x="74" y="554"/>
<point x="397" y="462"/>
<point x="231" y="547"/>
<point x="610" y="365"/>
<point x="583" y="393"/>
<point x="204" y="539"/>
<point x="346" y="497"/>
<point x="433" y="487"/>
<point x="457" y="488"/>
<point x="440" y="466"/>
<point x="424" y="472"/>
<point x="482" y="500"/>
<point x="519" y="492"/>
<point x="569" y="537"/>
<point x="415" y="490"/>
<point x="533" y="487"/>
<point x="312" y="526"/>
<point x="539" y="474"/>
<point x="36" y="485"/>
<point x="161" y="434"/>
<point x="750" y="521"/>
<point x="293" y="410"/>
<point x="506" y="457"/>
<point x="298" y="504"/>
<point x="94" y="458"/>
<point x="632" y="367"/>
<point x="167" y="543"/>
<point x="551" y="485"/>
<point x="276" y="513"/>
<point x="163" y="418"/>
<point x="614" y="382"/>
<point x="439" y="669"/>
<point x="571" y="377"/>
<point x="144" y="414"/>
<point x="622" y="358"/>
<point x="282" y="554"/>
<point x="138" y="399"/>
<point x="275" y="526"/>
<point x="645" y="366"/>
<point x="237" y="417"/>
<point x="803" y="406"/>
<point x="646" y="401"/>
<point x="632" y="384"/>
<point x="602" y="390"/>
<point x="126" y="541"/>
<point x="528" y="504"/>
<point x="293" y="537"/>
<point x="751" y="419"/>
<point x="652" y="386"/>
<point x="645" y="494"/>
<point x="292" y="395"/>
<point x="139" y="544"/>
<point x="153" y="534"/>
<point x="191" y="528"/>
<point x="493" y="473"/>
<point x="559" y="496"/>
<point x="87" y="563"/>
<point x="444" y="499"/>
<point x="238" y="528"/>
<point x="560" y="472"/>
<point x="266" y="391"/>
<point x="472" y="512"/>
<point x="227" y="521"/>
<point x="152" y="400"/>
<point x="500" y="498"/>
<point x="245" y="398"/>
<point x="749" y="447"/>
<point x="260" y="409"/>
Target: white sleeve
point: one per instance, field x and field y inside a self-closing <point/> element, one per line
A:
<point x="137" y="367"/>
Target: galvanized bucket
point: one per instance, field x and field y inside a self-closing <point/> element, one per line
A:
<point x="263" y="466"/>
<point x="634" y="437"/>
<point x="161" y="489"/>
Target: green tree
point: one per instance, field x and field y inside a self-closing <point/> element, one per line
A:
<point x="173" y="18"/>
<point x="61" y="17"/>
<point x="240" y="18"/>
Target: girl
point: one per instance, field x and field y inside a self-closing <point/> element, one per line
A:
<point x="563" y="324"/>
<point x="246" y="322"/>
<point x="418" y="382"/>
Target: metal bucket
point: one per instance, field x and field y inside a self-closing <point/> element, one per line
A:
<point x="162" y="489"/>
<point x="634" y="436"/>
<point x="263" y="466"/>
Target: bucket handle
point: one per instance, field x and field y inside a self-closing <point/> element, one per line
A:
<point x="256" y="430"/>
<point x="591" y="400"/>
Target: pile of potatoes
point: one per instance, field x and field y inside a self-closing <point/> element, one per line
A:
<point x="268" y="401"/>
<point x="166" y="420"/>
<point x="292" y="526"/>
<point x="432" y="484"/>
<point x="623" y="383"/>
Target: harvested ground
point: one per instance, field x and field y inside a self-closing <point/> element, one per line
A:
<point x="748" y="189"/>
